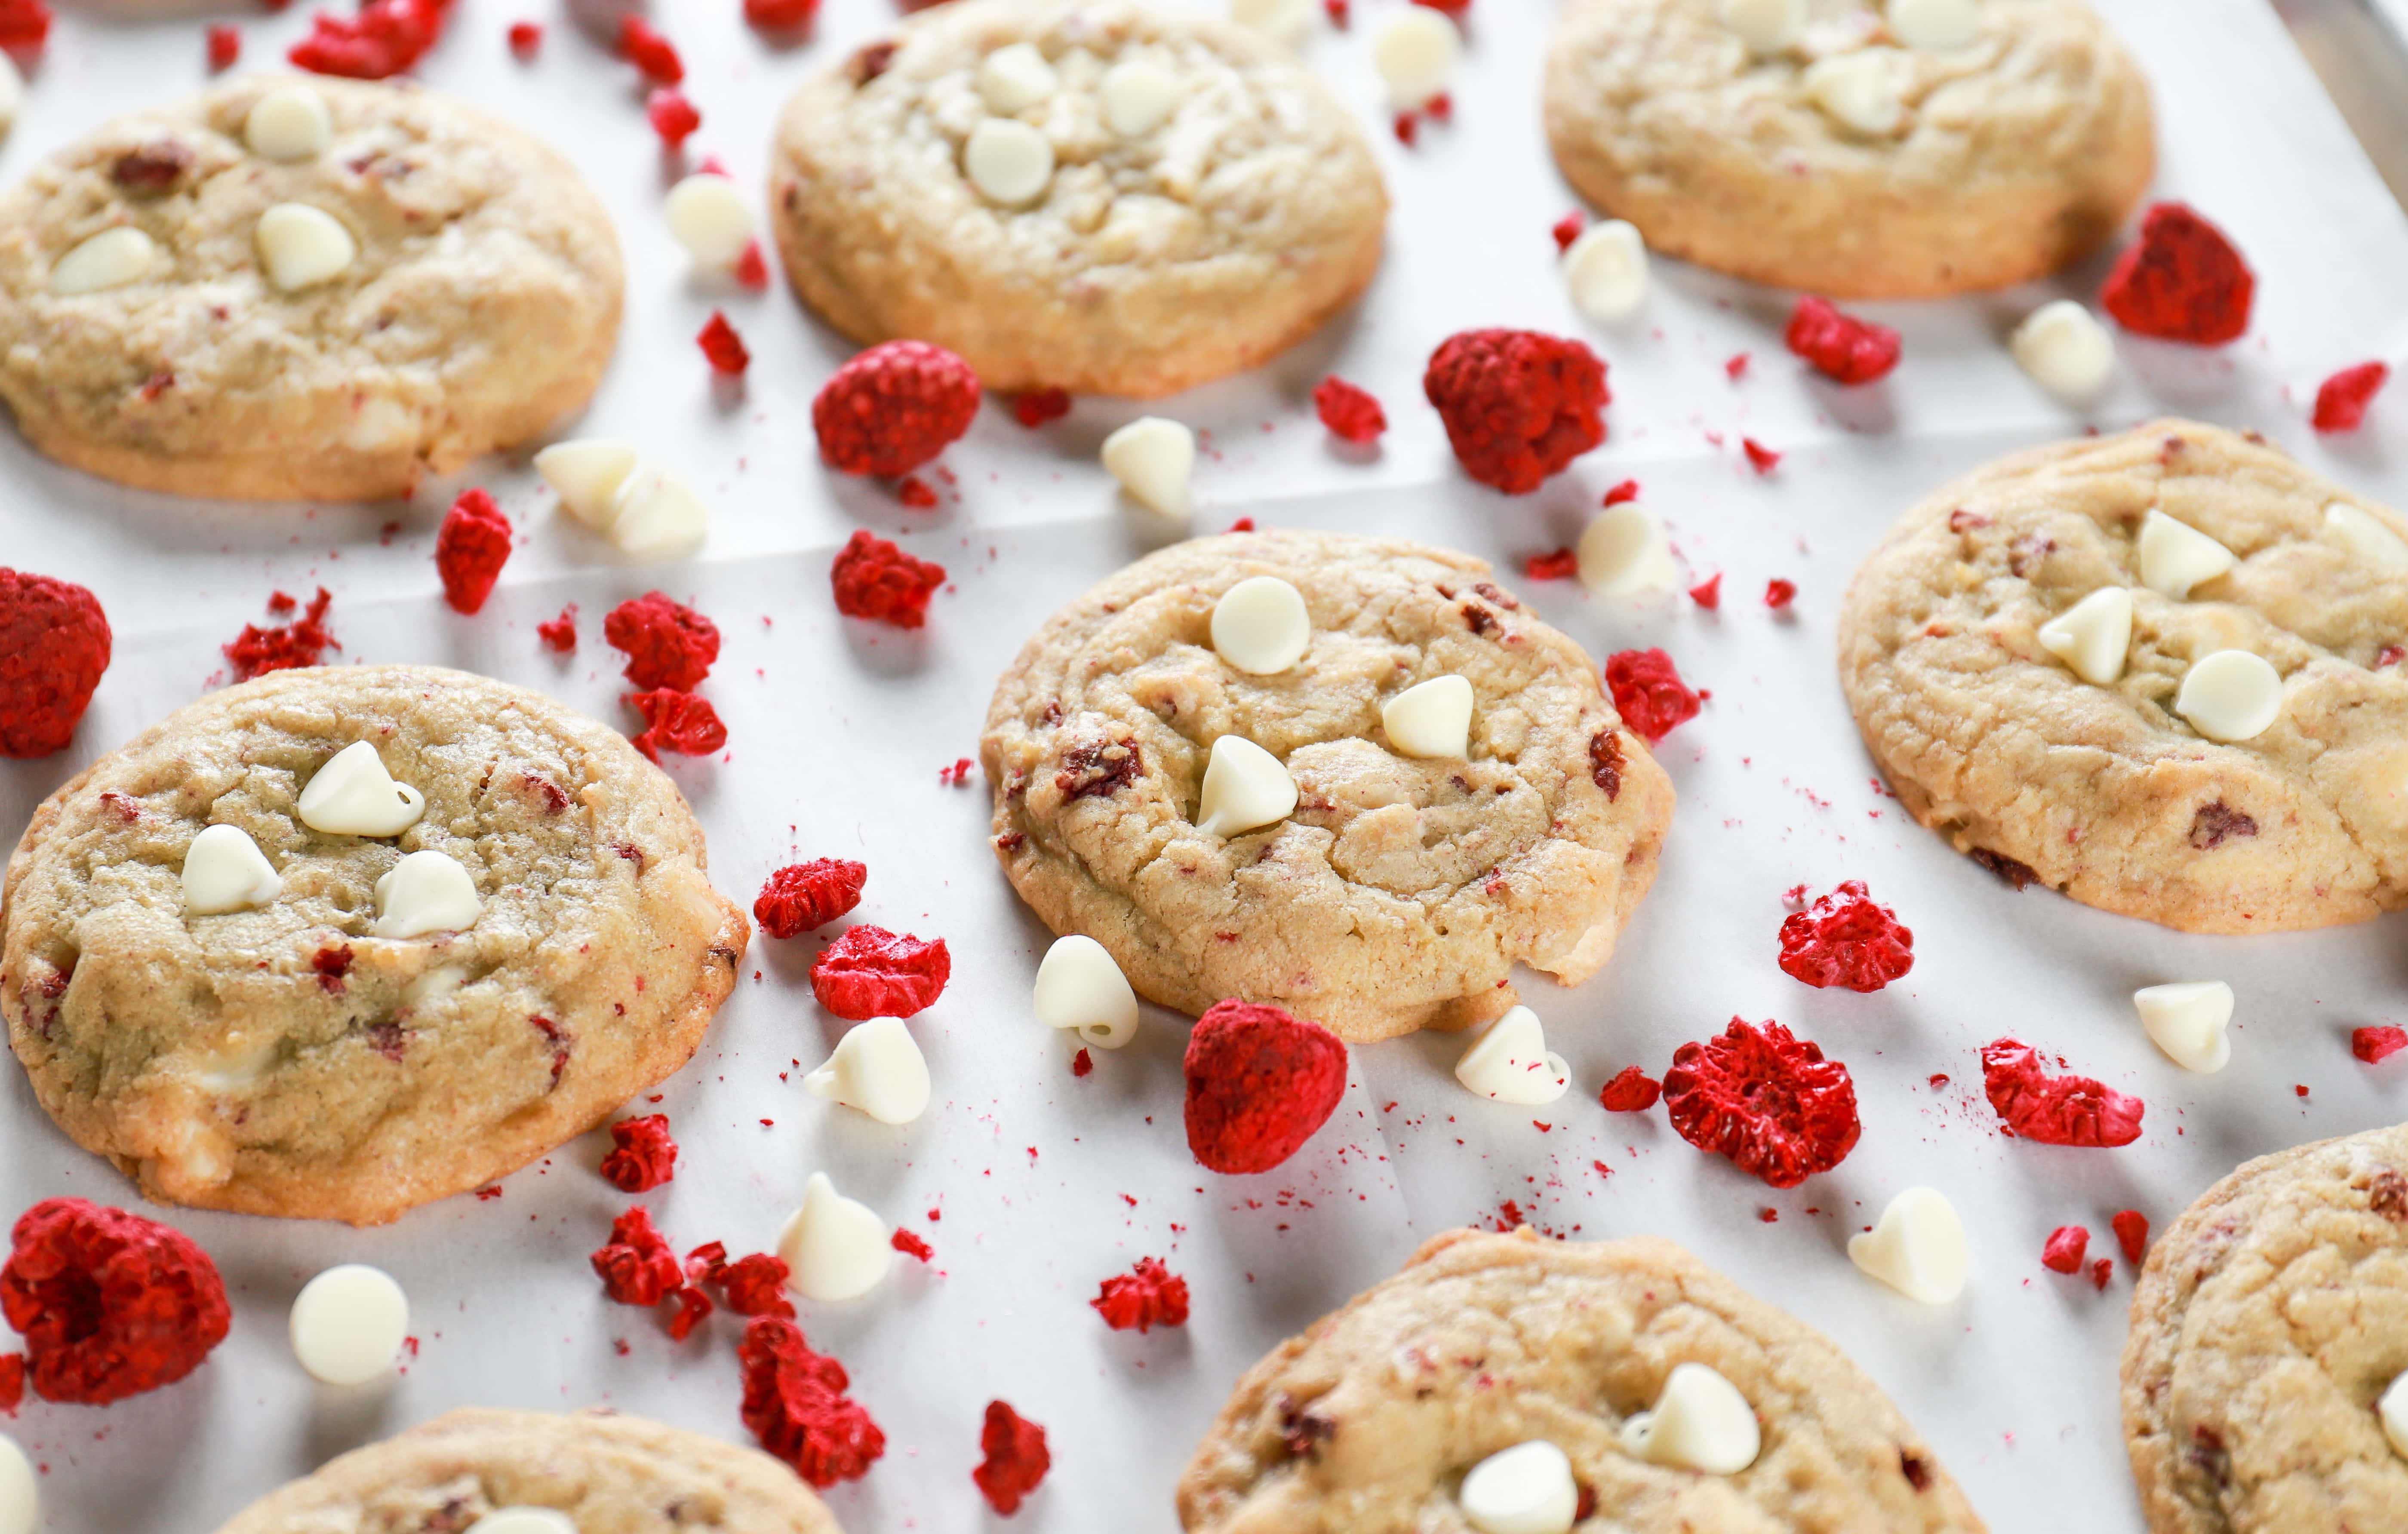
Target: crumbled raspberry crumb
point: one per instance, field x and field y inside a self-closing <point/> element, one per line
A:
<point x="894" y="408"/>
<point x="1631" y="1092"/>
<point x="527" y="38"/>
<point x="1350" y="412"/>
<point x="1147" y="1296"/>
<point x="1568" y="229"/>
<point x="2101" y="1271"/>
<point x="1555" y="565"/>
<point x="871" y="972"/>
<point x="2132" y="1234"/>
<point x="384" y="38"/>
<point x="332" y="963"/>
<point x="1340" y="13"/>
<point x="722" y="346"/>
<point x="912" y="1245"/>
<point x="2343" y="398"/>
<point x="1518" y="405"/>
<point x="54" y="646"/>
<point x="225" y="47"/>
<point x="1768" y="1100"/>
<point x="1083" y="1064"/>
<point x="1736" y="367"/>
<point x="2390" y="654"/>
<point x="794" y="1402"/>
<point x="694" y="1309"/>
<point x="876" y="580"/>
<point x="1259" y="1082"/>
<point x="1844" y="939"/>
<point x="2182" y="281"/>
<point x="636" y="1265"/>
<point x="2064" y="1250"/>
<point x="775" y="14"/>
<point x="644" y="1156"/>
<point x="1408" y="128"/>
<point x="109" y="1304"/>
<point x="255" y="651"/>
<point x="1035" y="409"/>
<point x="1759" y="457"/>
<point x="2378" y="1042"/>
<point x="1244" y="524"/>
<point x="641" y="44"/>
<point x="24" y="26"/>
<point x="1649" y="693"/>
<point x="1841" y="346"/>
<point x="756" y="1286"/>
<point x="471" y="550"/>
<point x="752" y="268"/>
<point x="676" y="721"/>
<point x="12" y="1383"/>
<point x="560" y="633"/>
<point x="672" y="116"/>
<point x="1708" y="594"/>
<point x="957" y="775"/>
<point x="1627" y="490"/>
<point x="667" y="644"/>
<point x="1016" y="1458"/>
<point x="801" y="897"/>
<point x="2055" y="1110"/>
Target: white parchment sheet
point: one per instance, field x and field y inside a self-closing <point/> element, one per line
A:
<point x="1033" y="1185"/>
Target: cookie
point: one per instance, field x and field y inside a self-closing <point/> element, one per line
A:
<point x="305" y="1050"/>
<point x="1167" y="199"/>
<point x="2122" y="792"/>
<point x="1368" y="1421"/>
<point x="610" y="1472"/>
<point x="1401" y="891"/>
<point x="479" y="303"/>
<point x="1841" y="160"/>
<point x="2268" y="1322"/>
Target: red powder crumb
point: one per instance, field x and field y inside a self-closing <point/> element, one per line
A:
<point x="1519" y="405"/>
<point x="679" y="722"/>
<point x="2377" y="1043"/>
<point x="2055" y="1110"/>
<point x="774" y="14"/>
<point x="802" y="896"/>
<point x="1037" y="407"/>
<point x="1846" y="940"/>
<point x="644" y="1156"/>
<point x="1766" y="1099"/>
<point x="957" y="775"/>
<point x="1708" y="594"/>
<point x="794" y="1402"/>
<point x="1779" y="594"/>
<point x="255" y="651"/>
<point x="752" y="268"/>
<point x="471" y="550"/>
<point x="1759" y="457"/>
<point x="910" y="1245"/>
<point x="1557" y="564"/>
<point x="723" y="347"/>
<point x="2390" y="654"/>
<point x="561" y="633"/>
<point x="527" y="38"/>
<point x="1649" y="693"/>
<point x="1244" y="524"/>
<point x="636" y="1265"/>
<point x="894" y="408"/>
<point x="54" y="645"/>
<point x="1340" y="13"/>
<point x="756" y="1286"/>
<point x="876" y="580"/>
<point x="1626" y="491"/>
<point x="2343" y="398"/>
<point x="2298" y="1091"/>
<point x="667" y="644"/>
<point x="1259" y="1082"/>
<point x="1770" y="1217"/>
<point x="1083" y="1064"/>
<point x="386" y="37"/>
<point x="12" y="1383"/>
<point x="1735" y="367"/>
<point x="871" y="972"/>
<point x="1017" y="1459"/>
<point x="2064" y="1250"/>
<point x="2132" y="1235"/>
<point x="1348" y="411"/>
<point x="1632" y="1092"/>
<point x="1841" y="346"/>
<point x="1408" y="128"/>
<point x="109" y="1304"/>
<point x="1568" y="229"/>
<point x="1147" y="1296"/>
<point x="915" y="494"/>
<point x="224" y="45"/>
<point x="332" y="963"/>
<point x="641" y="44"/>
<point x="24" y="26"/>
<point x="2182" y="281"/>
<point x="2101" y="1271"/>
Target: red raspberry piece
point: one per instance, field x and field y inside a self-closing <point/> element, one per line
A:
<point x="561" y="633"/>
<point x="794" y="1402"/>
<point x="706" y="1263"/>
<point x="910" y="1245"/>
<point x="1626" y="491"/>
<point x="1648" y="693"/>
<point x="1845" y="940"/>
<point x="527" y="38"/>
<point x="914" y="493"/>
<point x="894" y="408"/>
<point x="2377" y="1043"/>
<point x="12" y="1383"/>
<point x="636" y="1265"/>
<point x="667" y="643"/>
<point x="1518" y="405"/>
<point x="471" y="548"/>
<point x="109" y="1304"/>
<point x="2343" y="398"/>
<point x="54" y="644"/>
<point x="1455" y="9"/>
<point x="1708" y="594"/>
<point x="672" y="116"/>
<point x="2101" y="1271"/>
<point x="1759" y="457"/>
<point x="773" y="14"/>
<point x="1033" y="411"/>
<point x="1568" y="229"/>
<point x="1339" y="12"/>
<point x="722" y="346"/>
<point x="756" y="1286"/>
<point x="694" y="1309"/>
<point x="1632" y="1092"/>
<point x="1408" y="128"/>
<point x="803" y="896"/>
<point x="224" y="45"/>
<point x="1017" y="1459"/>
<point x="641" y="44"/>
<point x="1555" y="565"/>
<point x="1841" y="346"/>
<point x="871" y="972"/>
<point x="644" y="1156"/>
<point x="1766" y="1099"/>
<point x="1779" y="594"/>
<point x="1735" y="366"/>
<point x="874" y="579"/>
<point x="24" y="26"/>
<point x="2064" y="1250"/>
<point x="1350" y="412"/>
<point x="2182" y="281"/>
<point x="1147" y="1296"/>
<point x="255" y="651"/>
<point x="2055" y="1110"/>
<point x="386" y="37"/>
<point x="2132" y="1235"/>
<point x="1259" y="1082"/>
<point x="679" y="721"/>
<point x="752" y="268"/>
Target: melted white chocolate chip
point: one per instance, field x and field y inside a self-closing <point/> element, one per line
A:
<point x="224" y="870"/>
<point x="290" y="123"/>
<point x="110" y="259"/>
<point x="2231" y="696"/>
<point x="302" y="245"/>
<point x="1525" y="1489"/>
<point x="425" y="892"/>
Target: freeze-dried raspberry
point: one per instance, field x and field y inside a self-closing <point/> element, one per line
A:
<point x="706" y="1263"/>
<point x="641" y="44"/>
<point x="386" y="37"/>
<point x="155" y="166"/>
<point x="224" y="45"/>
<point x="109" y="1304"/>
<point x="1605" y="762"/>
<point x="1768" y="1100"/>
<point x="1649" y="693"/>
<point x="1625" y="490"/>
<point x="2063" y="1250"/>
<point x="2132" y="1235"/>
<point x="1555" y="565"/>
<point x="471" y="548"/>
<point x="775" y="14"/>
<point x="12" y="1383"/>
<point x="2343" y="398"/>
<point x="756" y="1286"/>
<point x="2101" y="1271"/>
<point x="722" y="346"/>
<point x="667" y="643"/>
<point x="894" y="408"/>
<point x="1632" y="1092"/>
<point x="916" y="493"/>
<point x="676" y="721"/>
<point x="1259" y="1082"/>
<point x="561" y="633"/>
<point x="1708" y="594"/>
<point x="1568" y="229"/>
<point x="527" y="38"/>
<point x="1348" y="411"/>
<point x="673" y="117"/>
<point x="1147" y="1296"/>
<point x="1779" y="594"/>
<point x="1340" y="13"/>
<point x="54" y="644"/>
<point x="2182" y="281"/>
<point x="1035" y="409"/>
<point x="644" y="1156"/>
<point x="794" y="1402"/>
<point x="255" y="651"/>
<point x="1846" y="940"/>
<point x="871" y="972"/>
<point x="636" y="1265"/>
<point x="24" y="26"/>
<point x="2378" y="1042"/>
<point x="1841" y="346"/>
<point x="1759" y="457"/>
<point x="803" y="896"/>
<point x="1015" y="1459"/>
<point x="752" y="268"/>
<point x="911" y="1244"/>
<point x="1408" y="128"/>
<point x="2055" y="1110"/>
<point x="876" y="580"/>
<point x="694" y="1309"/>
<point x="1518" y="405"/>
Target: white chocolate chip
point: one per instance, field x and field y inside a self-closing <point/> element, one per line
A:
<point x="303" y="246"/>
<point x="348" y="1324"/>
<point x="2176" y="557"/>
<point x="2233" y="695"/>
<point x="709" y="216"/>
<point x="1008" y="161"/>
<point x="587" y="473"/>
<point x="1859" y="91"/>
<point x="12" y="101"/>
<point x="1139" y="95"/>
<point x="835" y="1247"/>
<point x="434" y="985"/>
<point x="878" y="1068"/>
<point x="1700" y="1422"/>
<point x="2093" y="635"/>
<point x="1936" y="26"/>
<point x="1283" y="20"/>
<point x="20" y="1503"/>
<point x="1606" y="271"/>
<point x="353" y="796"/>
<point x="1918" y="1247"/>
<point x="2186" y="1020"/>
<point x="290" y="123"/>
<point x="1624" y="551"/>
<point x="1417" y="53"/>
<point x="1152" y="459"/>
<point x="1431" y="719"/>
<point x="655" y="512"/>
<point x="2393" y="1409"/>
<point x="1244" y="787"/>
<point x="1525" y="1489"/>
<point x="2366" y="538"/>
<point x="2065" y="349"/>
<point x="1079" y="985"/>
<point x="1016" y="78"/>
<point x="1510" y="1062"/>
<point x="1765" y="26"/>
<point x="1259" y="625"/>
<point x="524" y="1521"/>
<point x="224" y="870"/>
<point x="425" y="892"/>
<point x="109" y="259"/>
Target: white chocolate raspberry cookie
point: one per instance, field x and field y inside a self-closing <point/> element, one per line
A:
<point x="1085" y="195"/>
<point x="300" y="287"/>
<point x="1246" y="792"/>
<point x="2157" y="671"/>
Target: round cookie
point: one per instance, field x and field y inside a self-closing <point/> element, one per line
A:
<point x="1368" y="1421"/>
<point x="481" y="305"/>
<point x="2268" y="1320"/>
<point x="2008" y="158"/>
<point x="284" y="1059"/>
<point x="1150" y="260"/>
<point x="2106" y="792"/>
<point x="1401" y="892"/>
<point x="622" y="1476"/>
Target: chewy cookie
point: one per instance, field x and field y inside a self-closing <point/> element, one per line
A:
<point x="1086" y="194"/>
<point x="293" y="287"/>
<point x="2268" y="1321"/>
<point x="351" y="1031"/>
<point x="1818" y="146"/>
<point x="1401" y="891"/>
<point x="1370" y="1421"/>
<point x="2240" y="762"/>
<point x="611" y="1474"/>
